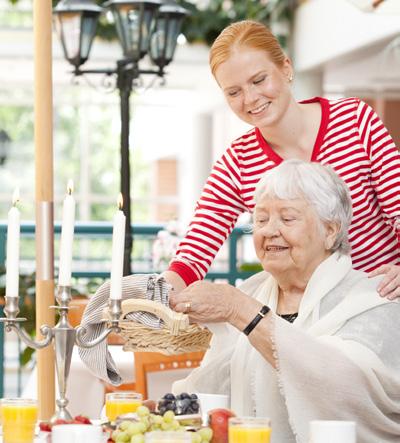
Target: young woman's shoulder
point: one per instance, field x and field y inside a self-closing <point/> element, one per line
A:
<point x="338" y="104"/>
<point x="246" y="139"/>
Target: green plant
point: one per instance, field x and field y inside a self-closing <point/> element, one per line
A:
<point x="209" y="17"/>
<point x="251" y="267"/>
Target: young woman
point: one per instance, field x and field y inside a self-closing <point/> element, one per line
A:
<point x="255" y="76"/>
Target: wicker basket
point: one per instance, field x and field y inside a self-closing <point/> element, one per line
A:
<point x="177" y="336"/>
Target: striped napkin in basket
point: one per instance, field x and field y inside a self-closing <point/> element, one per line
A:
<point x="147" y="286"/>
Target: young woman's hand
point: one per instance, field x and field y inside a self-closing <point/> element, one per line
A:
<point x="390" y="285"/>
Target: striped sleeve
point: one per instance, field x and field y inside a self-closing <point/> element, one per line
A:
<point x="215" y="215"/>
<point x="385" y="163"/>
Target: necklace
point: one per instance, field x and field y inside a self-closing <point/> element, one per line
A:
<point x="289" y="317"/>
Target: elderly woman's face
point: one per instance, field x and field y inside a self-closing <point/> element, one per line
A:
<point x="289" y="237"/>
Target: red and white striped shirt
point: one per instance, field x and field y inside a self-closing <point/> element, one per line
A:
<point x="353" y="140"/>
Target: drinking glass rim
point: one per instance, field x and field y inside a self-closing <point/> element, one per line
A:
<point x="249" y="421"/>
<point x="18" y="401"/>
<point x="125" y="395"/>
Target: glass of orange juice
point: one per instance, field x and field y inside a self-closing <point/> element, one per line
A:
<point x="18" y="416"/>
<point x="249" y="430"/>
<point x="118" y="403"/>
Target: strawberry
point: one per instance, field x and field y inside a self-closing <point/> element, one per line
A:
<point x="61" y="421"/>
<point x="82" y="419"/>
<point x="45" y="426"/>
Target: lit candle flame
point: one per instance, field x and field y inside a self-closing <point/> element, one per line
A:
<point x="70" y="187"/>
<point x="15" y="198"/>
<point x="120" y="202"/>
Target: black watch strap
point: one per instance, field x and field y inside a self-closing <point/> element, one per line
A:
<point x="263" y="312"/>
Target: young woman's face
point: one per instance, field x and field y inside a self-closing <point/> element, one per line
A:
<point x="256" y="89"/>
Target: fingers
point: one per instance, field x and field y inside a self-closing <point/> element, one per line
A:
<point x="185" y="307"/>
<point x="390" y="285"/>
<point x="394" y="294"/>
<point x="384" y="269"/>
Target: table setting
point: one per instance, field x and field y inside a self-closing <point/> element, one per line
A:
<point x="173" y="419"/>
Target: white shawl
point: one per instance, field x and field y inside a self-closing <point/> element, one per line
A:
<point x="339" y="360"/>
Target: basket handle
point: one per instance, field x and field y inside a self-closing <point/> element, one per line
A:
<point x="174" y="321"/>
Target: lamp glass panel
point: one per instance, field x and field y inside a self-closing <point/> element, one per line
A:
<point x="158" y="40"/>
<point x="174" y="28"/>
<point x="127" y="20"/>
<point x="89" y="25"/>
<point x="147" y="22"/>
<point x="70" y="30"/>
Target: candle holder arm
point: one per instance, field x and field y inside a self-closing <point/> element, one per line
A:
<point x="45" y="330"/>
<point x="114" y="313"/>
<point x="81" y="331"/>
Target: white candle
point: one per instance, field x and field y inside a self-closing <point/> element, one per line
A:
<point x="67" y="238"/>
<point x="13" y="230"/>
<point x="117" y="260"/>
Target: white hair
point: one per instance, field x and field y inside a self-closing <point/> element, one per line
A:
<point x="319" y="185"/>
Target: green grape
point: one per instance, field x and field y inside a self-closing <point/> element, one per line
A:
<point x="175" y="425"/>
<point x="166" y="426"/>
<point x="138" y="438"/>
<point x="115" y="434"/>
<point x="196" y="438"/>
<point x="124" y="425"/>
<point x="145" y="421"/>
<point x="143" y="426"/>
<point x="143" y="411"/>
<point x="205" y="434"/>
<point x="123" y="437"/>
<point x="169" y="416"/>
<point x="134" y="428"/>
<point x="157" y="419"/>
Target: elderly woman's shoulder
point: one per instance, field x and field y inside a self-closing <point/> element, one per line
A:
<point x="250" y="284"/>
<point x="362" y="278"/>
<point x="362" y="285"/>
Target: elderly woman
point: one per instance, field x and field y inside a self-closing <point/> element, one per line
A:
<point x="310" y="338"/>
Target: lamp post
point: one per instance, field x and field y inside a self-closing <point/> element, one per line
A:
<point x="144" y="27"/>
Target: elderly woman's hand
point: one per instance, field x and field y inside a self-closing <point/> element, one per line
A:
<point x="208" y="302"/>
<point x="390" y="285"/>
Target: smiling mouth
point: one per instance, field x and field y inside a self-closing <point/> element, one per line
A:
<point x="259" y="109"/>
<point x="275" y="248"/>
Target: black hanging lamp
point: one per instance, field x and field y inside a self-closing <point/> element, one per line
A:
<point x="76" y="23"/>
<point x="167" y="27"/>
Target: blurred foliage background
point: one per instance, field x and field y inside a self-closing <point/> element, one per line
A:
<point x="208" y="17"/>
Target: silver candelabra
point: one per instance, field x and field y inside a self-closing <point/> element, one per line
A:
<point x="63" y="336"/>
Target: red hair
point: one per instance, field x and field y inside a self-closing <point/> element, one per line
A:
<point x="246" y="33"/>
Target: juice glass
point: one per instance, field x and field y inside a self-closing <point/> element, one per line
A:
<point x="118" y="403"/>
<point x="168" y="437"/>
<point x="18" y="416"/>
<point x="249" y="430"/>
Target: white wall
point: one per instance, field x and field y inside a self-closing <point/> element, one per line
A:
<point x="329" y="29"/>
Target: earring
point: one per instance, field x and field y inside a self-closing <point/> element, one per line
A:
<point x="290" y="78"/>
